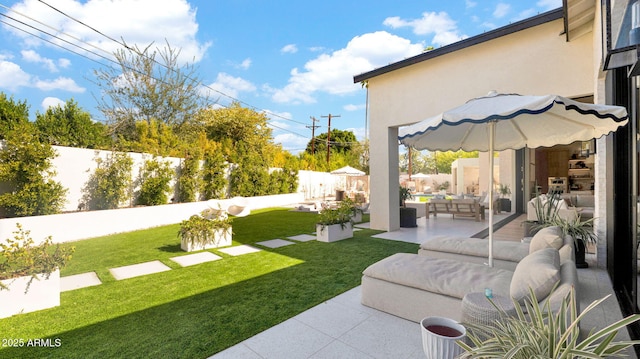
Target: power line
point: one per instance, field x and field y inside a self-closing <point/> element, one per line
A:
<point x="329" y="134"/>
<point x="313" y="133"/>
<point x="122" y="43"/>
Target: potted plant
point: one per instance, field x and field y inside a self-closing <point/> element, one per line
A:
<point x="581" y="232"/>
<point x="407" y="215"/>
<point x="209" y="229"/>
<point x="546" y="209"/>
<point x="335" y="224"/>
<point x="505" y="203"/>
<point x="541" y="332"/>
<point x="30" y="274"/>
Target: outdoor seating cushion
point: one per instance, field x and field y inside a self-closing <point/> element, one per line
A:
<point x="506" y="250"/>
<point x="548" y="237"/>
<point x="448" y="277"/>
<point x="539" y="271"/>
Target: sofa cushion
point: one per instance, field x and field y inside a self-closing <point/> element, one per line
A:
<point x="585" y="200"/>
<point x="540" y="271"/>
<point x="548" y="237"/>
<point x="437" y="275"/>
<point x="505" y="250"/>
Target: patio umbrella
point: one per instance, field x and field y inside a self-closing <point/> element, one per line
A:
<point x="498" y="122"/>
<point x="348" y="171"/>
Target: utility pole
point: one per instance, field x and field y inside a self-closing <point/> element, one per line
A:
<point x="313" y="134"/>
<point x="329" y="117"/>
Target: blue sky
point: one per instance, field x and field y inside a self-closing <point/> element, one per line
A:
<point x="293" y="59"/>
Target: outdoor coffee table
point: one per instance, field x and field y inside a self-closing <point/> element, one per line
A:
<point x="477" y="309"/>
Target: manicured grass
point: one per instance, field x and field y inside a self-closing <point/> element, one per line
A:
<point x="196" y="311"/>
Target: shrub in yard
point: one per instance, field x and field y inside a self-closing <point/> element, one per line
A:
<point x="27" y="187"/>
<point x="154" y="182"/>
<point x="109" y="184"/>
<point x="188" y="182"/>
<point x="213" y="174"/>
<point x="19" y="257"/>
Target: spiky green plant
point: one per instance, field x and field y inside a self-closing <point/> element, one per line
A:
<point x="540" y="332"/>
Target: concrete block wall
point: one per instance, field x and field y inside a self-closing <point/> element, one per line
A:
<point x="68" y="227"/>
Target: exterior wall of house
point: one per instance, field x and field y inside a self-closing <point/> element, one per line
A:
<point x="537" y="60"/>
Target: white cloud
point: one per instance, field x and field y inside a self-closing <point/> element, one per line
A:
<point x="34" y="57"/>
<point x="352" y="107"/>
<point x="230" y="86"/>
<point x="359" y="132"/>
<point x="333" y="73"/>
<point x="12" y="76"/>
<point x="291" y="142"/>
<point x="502" y="9"/>
<point x="64" y="63"/>
<point x="470" y="4"/>
<point x="61" y="83"/>
<point x="279" y="116"/>
<point x="289" y="49"/>
<point x="138" y="22"/>
<point x="439" y="24"/>
<point x="51" y="102"/>
<point x="245" y="64"/>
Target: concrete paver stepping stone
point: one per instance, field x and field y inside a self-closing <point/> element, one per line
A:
<point x="137" y="270"/>
<point x="239" y="250"/>
<point x="196" y="258"/>
<point x="275" y="243"/>
<point x="303" y="237"/>
<point x="78" y="281"/>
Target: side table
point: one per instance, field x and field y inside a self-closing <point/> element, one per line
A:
<point x="477" y="309"/>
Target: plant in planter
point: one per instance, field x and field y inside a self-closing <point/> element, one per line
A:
<point x="540" y="332"/>
<point x="30" y="274"/>
<point x="546" y="209"/>
<point x="209" y="229"/>
<point x="335" y="224"/>
<point x="581" y="232"/>
<point x="407" y="215"/>
<point x="505" y="203"/>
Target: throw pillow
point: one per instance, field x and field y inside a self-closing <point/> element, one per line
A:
<point x="540" y="271"/>
<point x="548" y="237"/>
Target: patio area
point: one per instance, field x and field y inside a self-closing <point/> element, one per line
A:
<point x="343" y="328"/>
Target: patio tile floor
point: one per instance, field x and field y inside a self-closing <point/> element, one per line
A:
<point x="344" y="328"/>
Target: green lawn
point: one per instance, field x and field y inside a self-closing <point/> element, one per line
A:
<point x="196" y="311"/>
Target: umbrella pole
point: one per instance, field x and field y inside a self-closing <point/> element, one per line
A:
<point x="491" y="147"/>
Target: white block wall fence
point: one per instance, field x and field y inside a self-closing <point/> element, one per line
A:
<point x="74" y="166"/>
<point x="69" y="227"/>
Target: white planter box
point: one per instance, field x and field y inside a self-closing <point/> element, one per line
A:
<point x="222" y="238"/>
<point x="334" y="232"/>
<point x="42" y="294"/>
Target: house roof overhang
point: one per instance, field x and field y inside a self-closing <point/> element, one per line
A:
<point x="468" y="42"/>
<point x="579" y="16"/>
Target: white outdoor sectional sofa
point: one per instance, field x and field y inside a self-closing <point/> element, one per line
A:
<point x="506" y="254"/>
<point x="414" y="286"/>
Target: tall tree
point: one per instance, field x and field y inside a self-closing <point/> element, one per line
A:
<point x="12" y="114"/>
<point x="70" y="126"/>
<point x="236" y="125"/>
<point x="341" y="142"/>
<point x="149" y="84"/>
